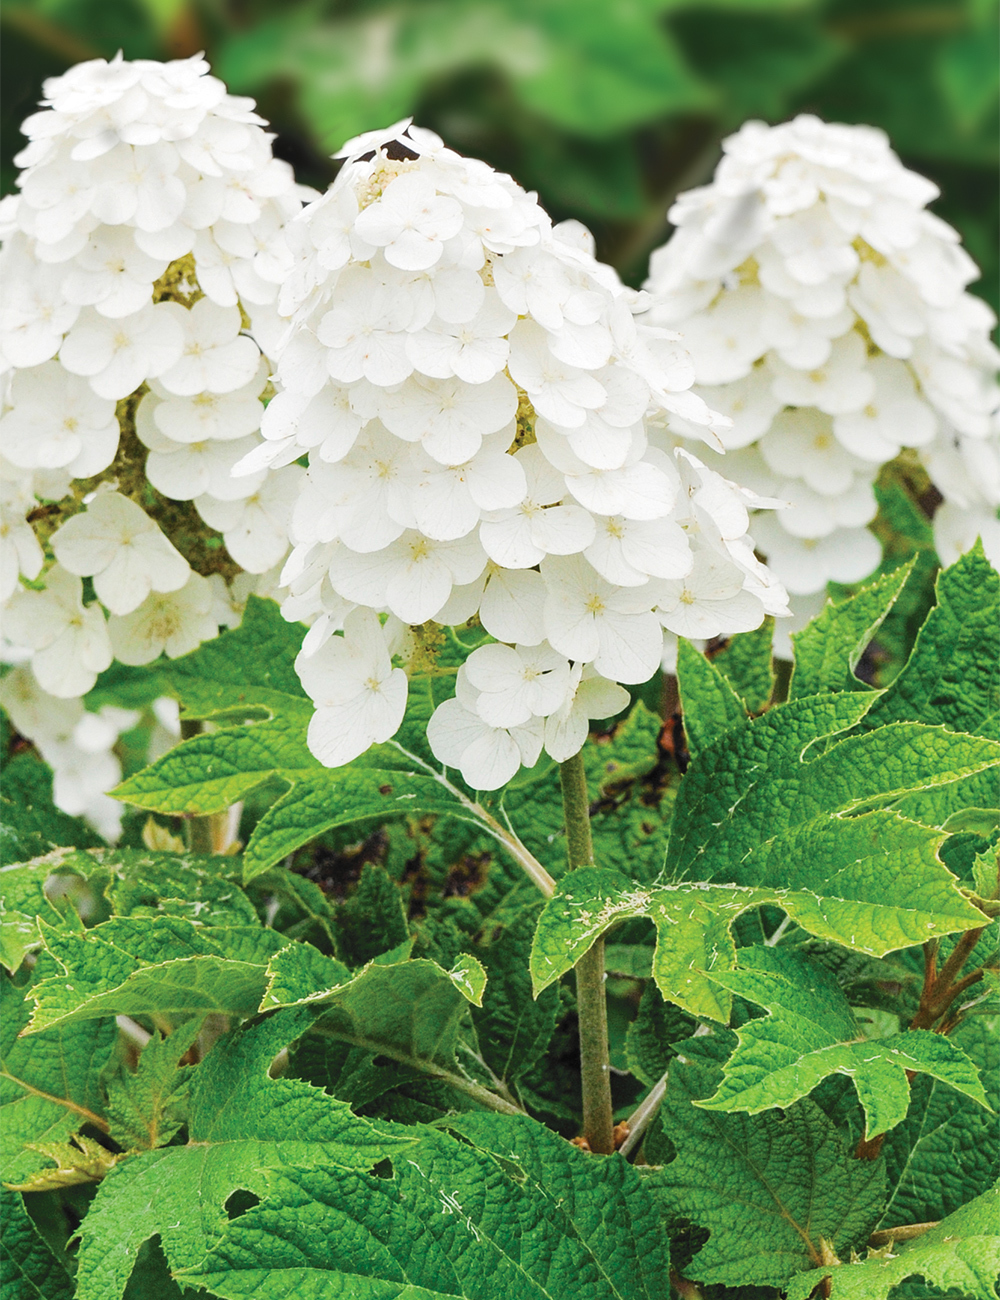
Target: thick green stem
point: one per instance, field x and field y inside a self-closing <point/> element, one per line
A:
<point x="591" y="999"/>
<point x="197" y="830"/>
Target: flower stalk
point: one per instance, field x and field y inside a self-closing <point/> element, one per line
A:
<point x="598" y="1122"/>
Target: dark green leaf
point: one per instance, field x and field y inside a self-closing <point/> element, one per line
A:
<point x="372" y="920"/>
<point x="244" y="1127"/>
<point x="49" y="1082"/>
<point x="953" y="673"/>
<point x="162" y="964"/>
<point x="512" y="1028"/>
<point x="693" y="920"/>
<point x="962" y="1253"/>
<point x="29" y="1270"/>
<point x="809" y="1033"/>
<point x="30" y="823"/>
<point x="746" y="663"/>
<point x="519" y="1213"/>
<point x="769" y="1188"/>
<point x="146" y="1107"/>
<point x="711" y="706"/>
<point x="946" y="1149"/>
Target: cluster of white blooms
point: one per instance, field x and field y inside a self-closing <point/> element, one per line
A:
<point x="485" y="412"/>
<point x="141" y="263"/>
<point x="825" y="312"/>
<point x="146" y="234"/>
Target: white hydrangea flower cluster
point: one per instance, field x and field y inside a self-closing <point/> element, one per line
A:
<point x="146" y="233"/>
<point x="484" y="410"/>
<point x="825" y="312"/>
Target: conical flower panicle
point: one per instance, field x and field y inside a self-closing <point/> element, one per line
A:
<point x="141" y="262"/>
<point x="826" y="313"/>
<point x="487" y="415"/>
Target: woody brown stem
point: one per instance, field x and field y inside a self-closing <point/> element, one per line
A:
<point x="906" y="1232"/>
<point x="940" y="987"/>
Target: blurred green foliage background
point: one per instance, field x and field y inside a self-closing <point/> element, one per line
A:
<point x="607" y="107"/>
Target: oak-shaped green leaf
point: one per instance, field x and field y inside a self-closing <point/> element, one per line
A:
<point x="758" y="782"/>
<point x="809" y="1033"/>
<point x="29" y="1268"/>
<point x="246" y="672"/>
<point x="162" y="964"/>
<point x="828" y="649"/>
<point x="300" y="974"/>
<point x="947" y="1148"/>
<point x="953" y="677"/>
<point x="693" y="919"/>
<point x="961" y="1255"/>
<point x="469" y="977"/>
<point x="409" y="1011"/>
<point x="243" y="1129"/>
<point x="939" y="805"/>
<point x="49" y="1083"/>
<point x="747" y="664"/>
<point x="512" y="1210"/>
<point x="769" y="1188"/>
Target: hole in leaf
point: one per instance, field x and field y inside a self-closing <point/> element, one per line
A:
<point x="240" y="1202"/>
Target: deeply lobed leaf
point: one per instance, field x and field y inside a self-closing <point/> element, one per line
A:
<point x="769" y="1188"/>
<point x="693" y="923"/>
<point x="809" y="1033"/>
<point x="512" y="1210"/>
<point x="264" y="1126"/>
<point x="828" y="649"/>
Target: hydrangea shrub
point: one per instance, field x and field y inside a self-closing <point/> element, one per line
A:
<point x="485" y="414"/>
<point x="389" y="505"/>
